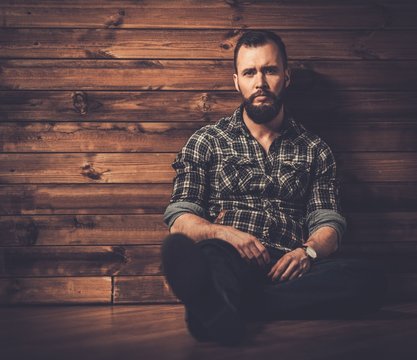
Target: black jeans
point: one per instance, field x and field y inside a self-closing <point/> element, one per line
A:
<point x="333" y="287"/>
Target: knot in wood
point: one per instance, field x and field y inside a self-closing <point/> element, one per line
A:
<point x="80" y="102"/>
<point x="204" y="105"/>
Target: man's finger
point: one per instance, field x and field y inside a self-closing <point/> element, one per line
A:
<point x="257" y="255"/>
<point x="249" y="255"/>
<point x="264" y="252"/>
<point x="297" y="273"/>
<point x="290" y="269"/>
<point x="280" y="267"/>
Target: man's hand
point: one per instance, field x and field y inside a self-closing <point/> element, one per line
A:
<point x="293" y="264"/>
<point x="247" y="245"/>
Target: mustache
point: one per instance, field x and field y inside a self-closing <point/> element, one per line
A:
<point x="261" y="93"/>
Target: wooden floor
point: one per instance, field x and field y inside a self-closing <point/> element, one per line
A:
<point x="158" y="332"/>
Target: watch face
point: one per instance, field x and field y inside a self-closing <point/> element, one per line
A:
<point x="311" y="252"/>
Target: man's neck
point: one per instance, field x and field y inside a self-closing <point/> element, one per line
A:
<point x="265" y="132"/>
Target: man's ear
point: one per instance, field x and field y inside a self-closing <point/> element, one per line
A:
<point x="287" y="73"/>
<point x="236" y="82"/>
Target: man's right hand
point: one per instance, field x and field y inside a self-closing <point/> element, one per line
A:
<point x="248" y="246"/>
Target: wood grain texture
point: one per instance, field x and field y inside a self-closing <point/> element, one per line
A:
<point x="211" y="14"/>
<point x="171" y="137"/>
<point x="200" y="44"/>
<point x="79" y="261"/>
<point x="53" y="290"/>
<point x="197" y="75"/>
<point x="87" y="168"/>
<point x="156" y="168"/>
<point x="315" y="107"/>
<point x="82" y="199"/>
<point x="115" y="230"/>
<point x="83" y="230"/>
<point x="159" y="332"/>
<point x="379" y="197"/>
<point x="142" y="289"/>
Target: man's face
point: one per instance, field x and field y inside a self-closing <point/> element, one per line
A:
<point x="261" y="79"/>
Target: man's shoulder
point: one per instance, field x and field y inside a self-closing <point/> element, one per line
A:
<point x="214" y="131"/>
<point x="309" y="139"/>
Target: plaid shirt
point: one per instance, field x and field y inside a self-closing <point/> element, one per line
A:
<point x="226" y="172"/>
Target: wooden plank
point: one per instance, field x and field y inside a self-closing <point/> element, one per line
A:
<point x="116" y="106"/>
<point x="154" y="289"/>
<point x="379" y="166"/>
<point x="200" y="44"/>
<point x="79" y="260"/>
<point x="82" y="230"/>
<point x="381" y="227"/>
<point x="87" y="168"/>
<point x="381" y="137"/>
<point x="149" y="229"/>
<point x="91" y="137"/>
<point x="153" y="198"/>
<point x="171" y="137"/>
<point x="210" y="14"/>
<point x="391" y="257"/>
<point x="142" y="289"/>
<point x="156" y="168"/>
<point x="155" y="106"/>
<point x="379" y="197"/>
<point x="52" y="290"/>
<point x="197" y="75"/>
<point x="84" y="199"/>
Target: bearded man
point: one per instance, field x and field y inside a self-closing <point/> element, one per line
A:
<point x="255" y="217"/>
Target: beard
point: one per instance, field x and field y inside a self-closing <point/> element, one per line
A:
<point x="264" y="113"/>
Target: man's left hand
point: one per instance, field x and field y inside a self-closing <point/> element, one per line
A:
<point x="290" y="266"/>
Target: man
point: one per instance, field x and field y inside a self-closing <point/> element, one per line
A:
<point x="255" y="214"/>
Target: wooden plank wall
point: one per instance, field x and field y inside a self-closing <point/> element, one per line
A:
<point x="96" y="98"/>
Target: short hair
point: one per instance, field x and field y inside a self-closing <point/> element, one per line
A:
<point x="255" y="38"/>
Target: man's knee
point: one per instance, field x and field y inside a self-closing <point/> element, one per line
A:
<point x="217" y="247"/>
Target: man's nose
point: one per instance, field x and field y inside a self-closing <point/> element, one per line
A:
<point x="261" y="82"/>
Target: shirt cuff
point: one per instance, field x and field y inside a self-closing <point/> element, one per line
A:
<point x="327" y="217"/>
<point x="175" y="209"/>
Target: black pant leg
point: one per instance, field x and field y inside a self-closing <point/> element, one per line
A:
<point x="334" y="287"/>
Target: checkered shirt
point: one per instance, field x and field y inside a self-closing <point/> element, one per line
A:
<point x="224" y="170"/>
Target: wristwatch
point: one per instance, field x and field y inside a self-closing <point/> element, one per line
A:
<point x="311" y="253"/>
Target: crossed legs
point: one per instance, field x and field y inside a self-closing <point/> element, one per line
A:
<point x="219" y="289"/>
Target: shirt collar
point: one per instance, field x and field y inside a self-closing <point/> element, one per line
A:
<point x="290" y="128"/>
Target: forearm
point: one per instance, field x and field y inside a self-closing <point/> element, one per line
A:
<point x="194" y="227"/>
<point x="323" y="241"/>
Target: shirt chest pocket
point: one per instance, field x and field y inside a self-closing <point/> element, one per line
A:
<point x="293" y="178"/>
<point x="241" y="175"/>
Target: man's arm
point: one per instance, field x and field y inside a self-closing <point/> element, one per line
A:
<point x="198" y="229"/>
<point x="323" y="208"/>
<point x="185" y="213"/>
<point x="323" y="241"/>
<point x="325" y="223"/>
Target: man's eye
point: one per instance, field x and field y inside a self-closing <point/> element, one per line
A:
<point x="250" y="72"/>
<point x="270" y="71"/>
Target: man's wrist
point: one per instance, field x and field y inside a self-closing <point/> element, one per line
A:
<point x="309" y="251"/>
<point x="216" y="231"/>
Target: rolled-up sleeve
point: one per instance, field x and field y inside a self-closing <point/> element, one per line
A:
<point x="323" y="204"/>
<point x="190" y="187"/>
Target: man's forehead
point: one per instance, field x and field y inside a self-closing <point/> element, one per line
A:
<point x="266" y="54"/>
